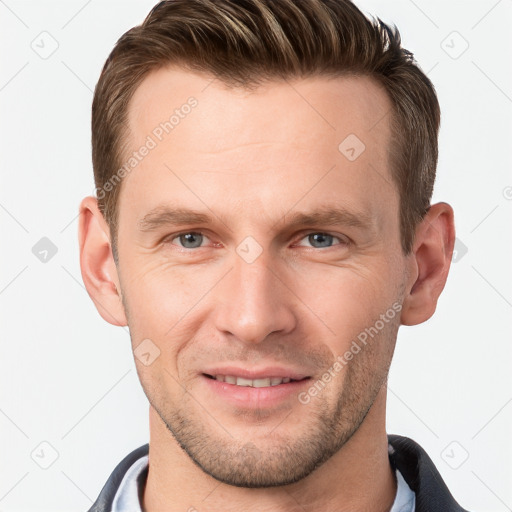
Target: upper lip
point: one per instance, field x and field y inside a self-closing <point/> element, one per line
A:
<point x="259" y="373"/>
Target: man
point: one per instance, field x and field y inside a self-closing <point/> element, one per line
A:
<point x="262" y="223"/>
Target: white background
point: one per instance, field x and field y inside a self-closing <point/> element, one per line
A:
<point x="67" y="378"/>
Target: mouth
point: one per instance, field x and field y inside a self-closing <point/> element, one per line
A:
<point x="253" y="383"/>
<point x="254" y="387"/>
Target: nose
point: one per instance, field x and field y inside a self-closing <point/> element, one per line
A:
<point x="253" y="302"/>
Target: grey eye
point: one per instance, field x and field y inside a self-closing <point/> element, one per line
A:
<point x="191" y="240"/>
<point x="320" y="239"/>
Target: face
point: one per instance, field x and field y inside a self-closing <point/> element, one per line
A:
<point x="259" y="245"/>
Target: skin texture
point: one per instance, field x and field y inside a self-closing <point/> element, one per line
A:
<point x="251" y="160"/>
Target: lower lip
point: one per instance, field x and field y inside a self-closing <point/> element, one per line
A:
<point x="255" y="398"/>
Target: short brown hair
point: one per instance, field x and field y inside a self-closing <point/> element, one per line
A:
<point x="246" y="42"/>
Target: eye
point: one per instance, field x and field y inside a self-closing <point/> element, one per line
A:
<point x="194" y="240"/>
<point x="320" y="240"/>
<point x="189" y="240"/>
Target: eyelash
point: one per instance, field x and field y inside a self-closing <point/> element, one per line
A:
<point x="343" y="242"/>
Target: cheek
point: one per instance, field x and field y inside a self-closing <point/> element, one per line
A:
<point x="159" y="294"/>
<point x="166" y="306"/>
<point x="345" y="299"/>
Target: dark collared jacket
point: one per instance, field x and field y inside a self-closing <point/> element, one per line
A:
<point x="409" y="457"/>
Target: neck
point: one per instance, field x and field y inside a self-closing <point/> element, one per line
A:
<point x="358" y="477"/>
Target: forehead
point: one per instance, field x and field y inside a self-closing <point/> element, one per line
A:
<point x="280" y="110"/>
<point x="283" y="135"/>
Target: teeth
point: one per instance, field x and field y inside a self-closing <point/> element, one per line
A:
<point x="261" y="383"/>
<point x="240" y="381"/>
<point x="255" y="383"/>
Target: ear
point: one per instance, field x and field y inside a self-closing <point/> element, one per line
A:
<point x="97" y="264"/>
<point x="429" y="264"/>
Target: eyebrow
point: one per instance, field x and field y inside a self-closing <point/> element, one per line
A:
<point x="327" y="215"/>
<point x="163" y="216"/>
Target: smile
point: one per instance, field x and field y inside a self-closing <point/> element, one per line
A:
<point x="253" y="383"/>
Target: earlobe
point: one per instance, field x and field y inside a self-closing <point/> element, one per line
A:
<point x="98" y="268"/>
<point x="430" y="262"/>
